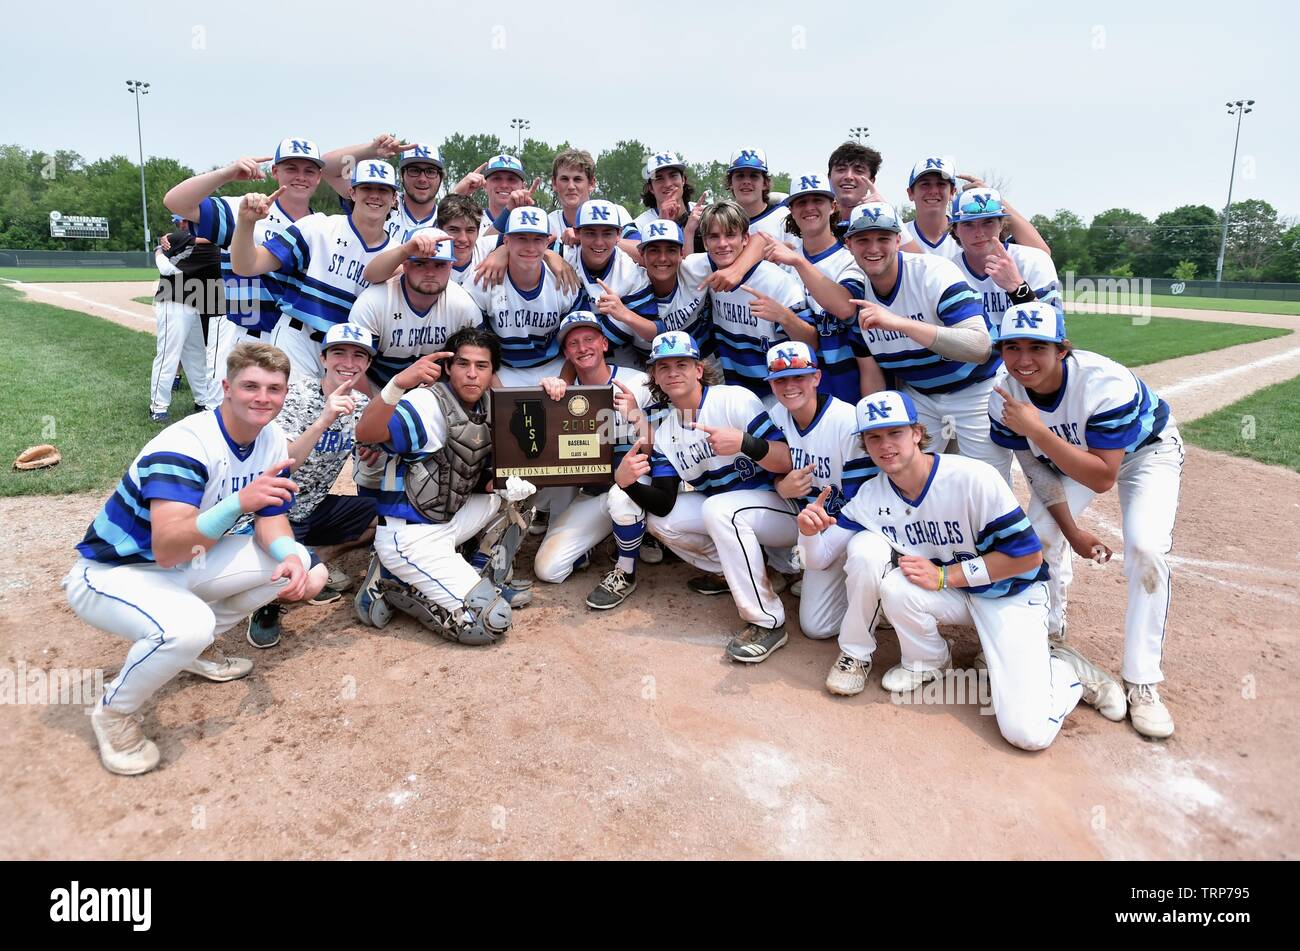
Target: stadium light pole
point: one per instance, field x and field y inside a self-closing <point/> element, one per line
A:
<point x="1238" y="108"/>
<point x="858" y="133"/>
<point x="139" y="88"/>
<point x="519" y="125"/>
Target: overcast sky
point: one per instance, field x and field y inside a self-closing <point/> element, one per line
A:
<point x="1104" y="104"/>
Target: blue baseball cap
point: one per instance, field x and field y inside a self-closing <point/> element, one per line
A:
<point x="873" y="216"/>
<point x="793" y="358"/>
<point x="598" y="212"/>
<point x="976" y="203"/>
<point x="661" y="160"/>
<point x="939" y="165"/>
<point x="504" y="163"/>
<point x="673" y="343"/>
<point x="755" y="159"/>
<point x="374" y="172"/>
<point x="885" y="409"/>
<point x="661" y="229"/>
<point x="444" y="250"/>
<point x="579" y="318"/>
<point x="420" y="153"/>
<point x="528" y="219"/>
<point x="292" y="148"/>
<point x="349" y="334"/>
<point x="1033" y="321"/>
<point x="808" y="185"/>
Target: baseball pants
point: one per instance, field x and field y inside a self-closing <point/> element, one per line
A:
<point x="865" y="563"/>
<point x="171" y="615"/>
<point x="223" y="336"/>
<point x="726" y="533"/>
<point x="425" y="557"/>
<point x="824" y="601"/>
<point x="1032" y="692"/>
<point x="965" y="415"/>
<point x="584" y="523"/>
<point x="180" y="343"/>
<point x="1148" y="483"/>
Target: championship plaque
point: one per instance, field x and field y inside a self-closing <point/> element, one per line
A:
<point x="549" y="442"/>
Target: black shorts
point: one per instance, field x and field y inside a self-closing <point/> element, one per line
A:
<point x="338" y="519"/>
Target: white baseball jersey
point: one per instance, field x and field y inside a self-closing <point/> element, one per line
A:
<point x="945" y="248"/>
<point x="743" y="339"/>
<point x="642" y="221"/>
<point x="686" y="452"/>
<point x="964" y="511"/>
<point x="251" y="302"/>
<point x="526" y="319"/>
<point x="482" y="248"/>
<point x="771" y="222"/>
<point x="194" y="461"/>
<point x="831" y="446"/>
<point x="1036" y="268"/>
<point x="402" y="333"/>
<point x="322" y="260"/>
<point x="627" y="225"/>
<point x="1100" y="405"/>
<point x="687" y="307"/>
<point x="625" y="278"/>
<point x="929" y="289"/>
<point x="840" y="376"/>
<point x="400" y="222"/>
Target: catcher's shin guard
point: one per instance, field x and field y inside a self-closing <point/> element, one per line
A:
<point x="501" y="539"/>
<point x="483" y="619"/>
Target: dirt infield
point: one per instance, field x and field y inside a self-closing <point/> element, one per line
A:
<point x="627" y="735"/>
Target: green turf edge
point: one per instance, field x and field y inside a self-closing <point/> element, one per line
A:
<point x="1264" y="426"/>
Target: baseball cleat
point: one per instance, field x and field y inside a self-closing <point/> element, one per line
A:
<point x="369" y="604"/>
<point x="901" y="680"/>
<point x="756" y="644"/>
<point x="652" y="552"/>
<point x="613" y="590"/>
<point x="709" y="584"/>
<point x="517" y="596"/>
<point x="782" y="581"/>
<point x="264" y="626"/>
<point x="176" y="383"/>
<point x="159" y="418"/>
<point x="1147" y="711"/>
<point x="213" y="665"/>
<point x="796" y="589"/>
<point x="541" y="522"/>
<point x="1100" y="689"/>
<point x="848" y="676"/>
<point x="123" y="747"/>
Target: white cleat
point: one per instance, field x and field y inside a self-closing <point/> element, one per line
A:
<point x="1100" y="689"/>
<point x="848" y="676"/>
<point x="123" y="747"/>
<point x="1149" y="714"/>
<point x="901" y="680"/>
<point x="213" y="665"/>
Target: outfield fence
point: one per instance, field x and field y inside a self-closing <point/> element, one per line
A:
<point x="1233" y="290"/>
<point x="14" y="258"/>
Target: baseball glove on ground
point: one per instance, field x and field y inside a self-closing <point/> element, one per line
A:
<point x="37" y="457"/>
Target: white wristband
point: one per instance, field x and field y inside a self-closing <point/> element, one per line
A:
<point x="976" y="572"/>
<point x="392" y="393"/>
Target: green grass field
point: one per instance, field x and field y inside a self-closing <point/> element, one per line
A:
<point x="143" y="300"/>
<point x="1264" y="426"/>
<point x="77" y="382"/>
<point x="1164" y="338"/>
<point x="66" y="275"/>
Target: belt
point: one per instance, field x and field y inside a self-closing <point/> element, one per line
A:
<point x="391" y="521"/>
<point x="297" y="324"/>
<point x="255" y="332"/>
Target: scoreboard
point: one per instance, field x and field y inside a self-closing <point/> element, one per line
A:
<point x="77" y="226"/>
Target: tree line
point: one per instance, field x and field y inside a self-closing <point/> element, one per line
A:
<point x="1182" y="244"/>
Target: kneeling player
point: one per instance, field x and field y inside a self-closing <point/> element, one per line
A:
<point x="431" y="499"/>
<point x="955" y="525"/>
<point x="157" y="567"/>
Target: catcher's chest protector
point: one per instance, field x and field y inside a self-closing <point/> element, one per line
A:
<point x="438" y="485"/>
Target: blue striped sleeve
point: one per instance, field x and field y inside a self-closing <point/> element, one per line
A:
<point x="631" y="232"/>
<point x="406" y="431"/>
<point x="762" y="427"/>
<point x="857" y="472"/>
<point x="642" y="303"/>
<point x="855" y="288"/>
<point x="1006" y="438"/>
<point x="1010" y="534"/>
<point x="291" y="249"/>
<point x="216" y="222"/>
<point x="960" y="302"/>
<point x="660" y="466"/>
<point x="1116" y="428"/>
<point x="172" y="476"/>
<point x="843" y="521"/>
<point x="616" y="332"/>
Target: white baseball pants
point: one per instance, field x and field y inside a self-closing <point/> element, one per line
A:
<point x="583" y="523"/>
<point x="180" y="344"/>
<point x="425" y="557"/>
<point x="964" y="414"/>
<point x="1148" y="483"/>
<point x="862" y="560"/>
<point x="171" y="615"/>
<point x="223" y="336"/>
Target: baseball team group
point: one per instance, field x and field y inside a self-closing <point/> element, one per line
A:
<point x="811" y="396"/>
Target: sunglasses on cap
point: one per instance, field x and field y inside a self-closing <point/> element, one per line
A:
<point x="796" y="362"/>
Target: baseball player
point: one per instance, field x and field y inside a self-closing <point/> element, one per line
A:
<point x="1080" y="424"/>
<point x="319" y="262"/>
<point x="156" y="566"/>
<point x="825" y="453"/>
<point x="526" y="309"/>
<point x="851" y="171"/>
<point x="573" y="180"/>
<point x="1003" y="273"/>
<point x="831" y="278"/>
<point x="721" y="441"/>
<point x="432" y="500"/>
<point x="750" y="183"/>
<point x="596" y="511"/>
<point x="930" y="188"/>
<point x="667" y="196"/>
<point x="414" y="313"/>
<point x="966" y="555"/>
<point x="319" y="419"/>
<point x="923" y="323"/>
<point x="605" y="269"/>
<point x="252" y="306"/>
<point x="189" y="294"/>
<point x="503" y="176"/>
